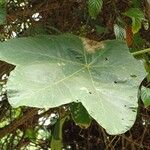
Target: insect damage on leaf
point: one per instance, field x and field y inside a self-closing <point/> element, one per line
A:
<point x="91" y="46"/>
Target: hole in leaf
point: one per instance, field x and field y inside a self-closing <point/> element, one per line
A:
<point x="90" y="92"/>
<point x="133" y="75"/>
<point x="106" y="58"/>
<point x="133" y="110"/>
<point x="115" y="82"/>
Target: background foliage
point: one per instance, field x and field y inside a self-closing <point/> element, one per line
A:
<point x="32" y="128"/>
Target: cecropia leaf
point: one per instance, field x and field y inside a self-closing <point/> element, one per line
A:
<point x="54" y="70"/>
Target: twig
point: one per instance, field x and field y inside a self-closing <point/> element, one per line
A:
<point x="141" y="52"/>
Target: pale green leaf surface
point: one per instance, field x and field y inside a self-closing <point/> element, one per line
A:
<point x="29" y="50"/>
<point x="54" y="70"/>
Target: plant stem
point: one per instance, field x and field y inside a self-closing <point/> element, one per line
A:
<point x="141" y="52"/>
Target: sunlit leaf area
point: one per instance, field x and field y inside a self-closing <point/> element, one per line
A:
<point x="74" y="75"/>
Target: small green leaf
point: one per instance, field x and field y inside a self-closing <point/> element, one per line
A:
<point x="145" y="96"/>
<point x="2" y="2"/>
<point x="119" y="32"/>
<point x="16" y="112"/>
<point x="147" y="66"/>
<point x="80" y="115"/>
<point x="136" y="3"/>
<point x="137" y="17"/>
<point x="94" y="7"/>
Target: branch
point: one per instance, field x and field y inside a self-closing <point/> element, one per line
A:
<point x="17" y="122"/>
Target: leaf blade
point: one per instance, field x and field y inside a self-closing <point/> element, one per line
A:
<point x="104" y="81"/>
<point x="94" y="7"/>
<point x="137" y="17"/>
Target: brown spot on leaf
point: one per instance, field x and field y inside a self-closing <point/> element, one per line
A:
<point x="91" y="46"/>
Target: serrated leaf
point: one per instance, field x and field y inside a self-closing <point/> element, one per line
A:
<point x="137" y="17"/>
<point x="94" y="7"/>
<point x="136" y="3"/>
<point x="55" y="70"/>
<point x="80" y="115"/>
<point x="145" y="96"/>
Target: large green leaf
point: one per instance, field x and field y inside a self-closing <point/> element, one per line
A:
<point x="54" y="70"/>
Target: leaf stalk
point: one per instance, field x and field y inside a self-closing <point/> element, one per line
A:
<point x="141" y="52"/>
